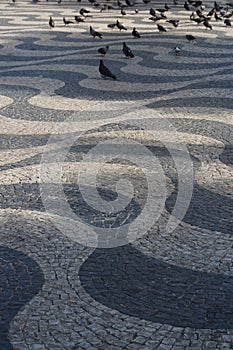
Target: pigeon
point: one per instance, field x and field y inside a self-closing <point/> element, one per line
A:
<point x="177" y="50"/>
<point x="207" y="24"/>
<point x="119" y="4"/>
<point x="229" y="15"/>
<point x="186" y="6"/>
<point x="146" y="1"/>
<point x="135" y="33"/>
<point x="120" y="26"/>
<point x="105" y="72"/>
<point x="156" y="18"/>
<point x="103" y="50"/>
<point x="123" y="12"/>
<point x="106" y="7"/>
<point x="94" y="33"/>
<point x="67" y="22"/>
<point x="190" y="37"/>
<point x="136" y="11"/>
<point x="217" y="6"/>
<point x="127" y="51"/>
<point x="211" y="12"/>
<point x="199" y="13"/>
<point x="163" y="16"/>
<point x="174" y="22"/>
<point x="227" y="22"/>
<point x="197" y="20"/>
<point x="175" y="2"/>
<point x="197" y="4"/>
<point x="217" y="18"/>
<point x="152" y="12"/>
<point x="78" y="19"/>
<point x="128" y="3"/>
<point x="161" y="28"/>
<point x="112" y="25"/>
<point x="84" y="12"/>
<point x="51" y="22"/>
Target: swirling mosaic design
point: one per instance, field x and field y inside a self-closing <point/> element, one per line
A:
<point x="166" y="289"/>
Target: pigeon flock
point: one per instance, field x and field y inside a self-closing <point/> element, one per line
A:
<point x="197" y="13"/>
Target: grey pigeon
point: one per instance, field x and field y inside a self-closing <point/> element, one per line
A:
<point x="177" y="50"/>
<point x="105" y="72"/>
<point x="190" y="37"/>
<point x="152" y="12"/>
<point x="207" y="24"/>
<point x="112" y="25"/>
<point x="217" y="18"/>
<point x="103" y="50"/>
<point x="78" y="19"/>
<point x="174" y="22"/>
<point x="161" y="28"/>
<point x="120" y="26"/>
<point x="211" y="12"/>
<point x="128" y="3"/>
<point x="84" y="12"/>
<point x="155" y="18"/>
<point x="67" y="22"/>
<point x="51" y="22"/>
<point x="127" y="51"/>
<point x="227" y="22"/>
<point x="94" y="33"/>
<point x="186" y="6"/>
<point x="135" y="33"/>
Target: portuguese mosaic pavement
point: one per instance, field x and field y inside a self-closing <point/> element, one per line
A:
<point x="155" y="270"/>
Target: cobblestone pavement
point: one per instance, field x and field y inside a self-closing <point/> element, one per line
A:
<point x="156" y="272"/>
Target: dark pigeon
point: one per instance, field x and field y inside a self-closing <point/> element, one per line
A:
<point x="51" y="22"/>
<point x="78" y="19"/>
<point x="127" y="51"/>
<point x="105" y="72"/>
<point x="103" y="50"/>
<point x="161" y="28"/>
<point x="120" y="26"/>
<point x="190" y="37"/>
<point x="135" y="33"/>
<point x="94" y="33"/>
<point x="67" y="22"/>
